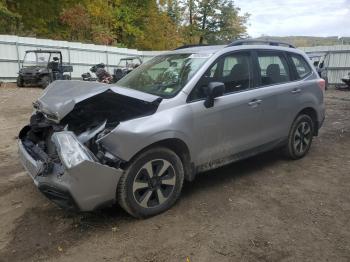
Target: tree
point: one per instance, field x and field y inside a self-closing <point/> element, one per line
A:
<point x="218" y="21"/>
<point x="229" y="25"/>
<point x="142" y="24"/>
<point x="9" y="21"/>
<point x="78" y="22"/>
<point x="102" y="21"/>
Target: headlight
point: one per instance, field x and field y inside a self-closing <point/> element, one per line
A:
<point x="70" y="150"/>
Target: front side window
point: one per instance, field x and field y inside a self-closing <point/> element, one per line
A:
<point x="234" y="70"/>
<point x="273" y="68"/>
<point x="164" y="75"/>
<point x="301" y="66"/>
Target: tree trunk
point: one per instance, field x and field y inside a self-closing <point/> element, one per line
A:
<point x="204" y="21"/>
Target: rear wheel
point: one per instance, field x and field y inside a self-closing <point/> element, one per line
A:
<point x="300" y="137"/>
<point x="152" y="183"/>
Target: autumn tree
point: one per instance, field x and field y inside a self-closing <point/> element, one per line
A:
<point x="103" y="21"/>
<point x="142" y="24"/>
<point x="78" y="22"/>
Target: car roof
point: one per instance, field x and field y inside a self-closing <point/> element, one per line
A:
<point x="130" y="58"/>
<point x="43" y="51"/>
<point x="208" y="49"/>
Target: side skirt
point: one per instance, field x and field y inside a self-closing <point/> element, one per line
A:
<point x="240" y="156"/>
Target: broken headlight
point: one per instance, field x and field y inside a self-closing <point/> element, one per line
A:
<point x="70" y="150"/>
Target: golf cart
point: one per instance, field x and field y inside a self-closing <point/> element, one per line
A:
<point x="41" y="67"/>
<point x="125" y="66"/>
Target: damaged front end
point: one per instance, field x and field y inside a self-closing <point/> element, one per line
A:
<point x="60" y="148"/>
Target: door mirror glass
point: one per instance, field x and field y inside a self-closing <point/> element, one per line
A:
<point x="215" y="89"/>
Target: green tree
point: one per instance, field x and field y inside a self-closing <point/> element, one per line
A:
<point x="9" y="21"/>
<point x="218" y="21"/>
<point x="229" y="25"/>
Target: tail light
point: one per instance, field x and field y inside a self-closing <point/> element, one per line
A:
<point x="322" y="84"/>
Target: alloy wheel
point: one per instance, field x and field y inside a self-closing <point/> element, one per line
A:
<point x="154" y="183"/>
<point x="302" y="137"/>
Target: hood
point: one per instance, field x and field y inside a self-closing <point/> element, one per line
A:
<point x="31" y="69"/>
<point x="60" y="97"/>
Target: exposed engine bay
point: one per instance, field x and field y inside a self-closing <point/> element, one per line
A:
<point x="89" y="120"/>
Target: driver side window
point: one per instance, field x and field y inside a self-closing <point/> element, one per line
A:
<point x="234" y="70"/>
<point x="200" y="90"/>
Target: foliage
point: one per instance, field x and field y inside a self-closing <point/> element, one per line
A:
<point x="143" y="24"/>
<point x="77" y="20"/>
<point x="9" y="21"/>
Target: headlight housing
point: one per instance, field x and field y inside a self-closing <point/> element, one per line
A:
<point x="70" y="150"/>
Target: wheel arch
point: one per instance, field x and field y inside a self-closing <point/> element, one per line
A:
<point x="310" y="111"/>
<point x="179" y="147"/>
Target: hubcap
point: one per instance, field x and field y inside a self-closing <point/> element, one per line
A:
<point x="154" y="183"/>
<point x="302" y="137"/>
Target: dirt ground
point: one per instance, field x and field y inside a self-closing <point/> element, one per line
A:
<point x="262" y="209"/>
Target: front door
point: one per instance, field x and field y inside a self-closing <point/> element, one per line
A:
<point x="232" y="125"/>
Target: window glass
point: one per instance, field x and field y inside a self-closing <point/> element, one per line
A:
<point x="164" y="75"/>
<point x="273" y="69"/>
<point x="35" y="59"/>
<point x="302" y="67"/>
<point x="233" y="70"/>
<point x="229" y="63"/>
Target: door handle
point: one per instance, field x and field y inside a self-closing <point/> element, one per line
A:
<point x="296" y="91"/>
<point x="255" y="102"/>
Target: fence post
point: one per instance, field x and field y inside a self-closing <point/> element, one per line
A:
<point x="18" y="58"/>
<point x="106" y="59"/>
<point x="68" y="49"/>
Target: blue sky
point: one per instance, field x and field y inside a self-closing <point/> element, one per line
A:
<point x="297" y="17"/>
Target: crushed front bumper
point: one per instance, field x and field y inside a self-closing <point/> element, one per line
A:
<point x="84" y="187"/>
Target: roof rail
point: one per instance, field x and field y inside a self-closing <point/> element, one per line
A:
<point x="188" y="46"/>
<point x="252" y="41"/>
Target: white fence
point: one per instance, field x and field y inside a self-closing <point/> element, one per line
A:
<point x="83" y="56"/>
<point x="337" y="62"/>
<point x="80" y="56"/>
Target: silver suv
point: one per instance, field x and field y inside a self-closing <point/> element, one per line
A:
<point x="181" y="113"/>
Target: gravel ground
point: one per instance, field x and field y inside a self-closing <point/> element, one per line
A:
<point x="262" y="209"/>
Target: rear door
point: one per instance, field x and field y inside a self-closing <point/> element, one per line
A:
<point x="280" y="93"/>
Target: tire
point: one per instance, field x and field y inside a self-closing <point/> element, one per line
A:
<point x="45" y="81"/>
<point x="143" y="195"/>
<point x="20" y="82"/>
<point x="66" y="77"/>
<point x="300" y="137"/>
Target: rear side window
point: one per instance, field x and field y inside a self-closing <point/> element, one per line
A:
<point x="301" y="66"/>
<point x="273" y="68"/>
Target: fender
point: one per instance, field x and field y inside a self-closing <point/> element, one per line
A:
<point x="130" y="137"/>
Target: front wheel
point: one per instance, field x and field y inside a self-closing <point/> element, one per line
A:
<point x="20" y="82"/>
<point x="45" y="81"/>
<point x="152" y="183"/>
<point x="300" y="137"/>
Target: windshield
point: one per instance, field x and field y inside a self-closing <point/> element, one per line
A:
<point x="38" y="59"/>
<point x="164" y="75"/>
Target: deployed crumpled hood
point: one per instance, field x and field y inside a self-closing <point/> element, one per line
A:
<point x="60" y="97"/>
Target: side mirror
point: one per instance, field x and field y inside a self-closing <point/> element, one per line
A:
<point x="215" y="89"/>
